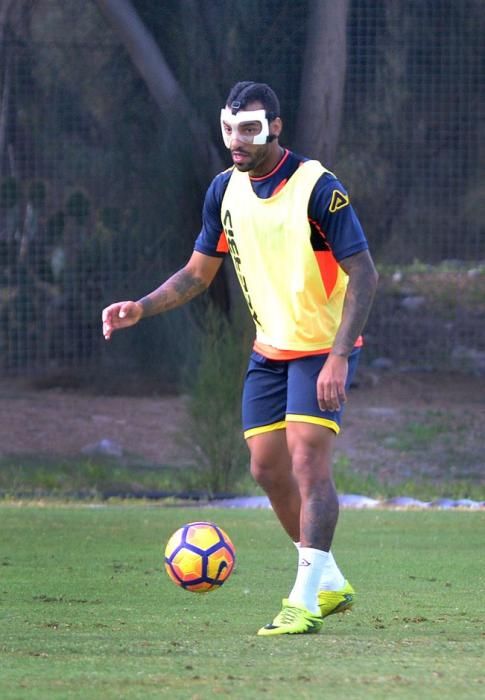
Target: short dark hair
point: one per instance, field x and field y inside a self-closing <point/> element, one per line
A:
<point x="247" y="91"/>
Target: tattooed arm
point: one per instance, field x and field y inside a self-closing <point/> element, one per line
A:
<point x="358" y="301"/>
<point x="180" y="288"/>
<point x="184" y="285"/>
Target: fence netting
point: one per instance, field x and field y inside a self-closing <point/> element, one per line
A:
<point x="99" y="200"/>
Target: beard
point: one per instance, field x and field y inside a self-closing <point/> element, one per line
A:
<point x="253" y="160"/>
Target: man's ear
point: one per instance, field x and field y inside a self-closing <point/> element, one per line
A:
<point x="276" y="127"/>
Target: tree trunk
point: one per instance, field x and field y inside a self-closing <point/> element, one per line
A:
<point x="13" y="18"/>
<point x="4" y="108"/>
<point x="323" y="80"/>
<point x="5" y="6"/>
<point x="162" y="84"/>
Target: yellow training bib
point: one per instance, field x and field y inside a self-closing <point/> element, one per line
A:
<point x="295" y="300"/>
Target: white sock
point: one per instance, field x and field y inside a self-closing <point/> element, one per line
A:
<point x="331" y="578"/>
<point x="310" y="565"/>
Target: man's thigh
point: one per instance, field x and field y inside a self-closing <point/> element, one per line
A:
<point x="264" y="396"/>
<point x="277" y="392"/>
<point x="302" y="404"/>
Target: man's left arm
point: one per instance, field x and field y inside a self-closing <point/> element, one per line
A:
<point x="359" y="296"/>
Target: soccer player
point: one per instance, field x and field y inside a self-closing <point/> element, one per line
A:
<point x="305" y="270"/>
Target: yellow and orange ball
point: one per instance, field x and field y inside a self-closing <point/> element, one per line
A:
<point x="199" y="557"/>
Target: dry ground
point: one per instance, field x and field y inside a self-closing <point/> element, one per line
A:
<point x="397" y="426"/>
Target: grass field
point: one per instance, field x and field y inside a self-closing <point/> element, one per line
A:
<point x="88" y="612"/>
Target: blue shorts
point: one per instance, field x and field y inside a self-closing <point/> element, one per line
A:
<point x="278" y="391"/>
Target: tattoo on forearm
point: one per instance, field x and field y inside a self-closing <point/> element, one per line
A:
<point x="176" y="291"/>
<point x="358" y="301"/>
<point x="186" y="287"/>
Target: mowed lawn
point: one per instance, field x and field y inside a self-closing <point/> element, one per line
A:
<point x="87" y="610"/>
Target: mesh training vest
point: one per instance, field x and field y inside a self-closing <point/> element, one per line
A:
<point x="294" y="294"/>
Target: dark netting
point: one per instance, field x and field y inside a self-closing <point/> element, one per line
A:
<point x="100" y="197"/>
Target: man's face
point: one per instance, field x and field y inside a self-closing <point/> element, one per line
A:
<point x="248" y="156"/>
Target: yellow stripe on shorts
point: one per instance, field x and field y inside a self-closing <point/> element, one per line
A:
<point x="295" y="418"/>
<point x="281" y="425"/>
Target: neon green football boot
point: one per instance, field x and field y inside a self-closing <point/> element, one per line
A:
<point x="331" y="602"/>
<point x="293" y="619"/>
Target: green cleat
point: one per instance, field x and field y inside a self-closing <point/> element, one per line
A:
<point x="293" y="619"/>
<point x="331" y="602"/>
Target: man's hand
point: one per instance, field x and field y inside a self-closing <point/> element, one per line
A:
<point x="331" y="383"/>
<point x="120" y="315"/>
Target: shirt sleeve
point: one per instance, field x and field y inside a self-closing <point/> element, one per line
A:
<point x="211" y="239"/>
<point x="330" y="210"/>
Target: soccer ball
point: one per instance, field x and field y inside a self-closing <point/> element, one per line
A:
<point x="199" y="557"/>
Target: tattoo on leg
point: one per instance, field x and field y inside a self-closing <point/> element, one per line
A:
<point x="319" y="515"/>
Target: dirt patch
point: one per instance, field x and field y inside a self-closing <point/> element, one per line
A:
<point x="62" y="423"/>
<point x="397" y="426"/>
<point x="402" y="426"/>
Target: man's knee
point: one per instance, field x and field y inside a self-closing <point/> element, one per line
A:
<point x="263" y="471"/>
<point x="270" y="459"/>
<point x="311" y="464"/>
<point x="311" y="449"/>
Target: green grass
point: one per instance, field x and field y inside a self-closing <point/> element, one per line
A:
<point x="88" y="612"/>
<point x="416" y="436"/>
<point x="28" y="476"/>
<point x="41" y="477"/>
<point x="423" y="487"/>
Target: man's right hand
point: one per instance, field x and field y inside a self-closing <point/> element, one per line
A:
<point x="120" y="315"/>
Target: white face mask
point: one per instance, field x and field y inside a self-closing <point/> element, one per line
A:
<point x="248" y="127"/>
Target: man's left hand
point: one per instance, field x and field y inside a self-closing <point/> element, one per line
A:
<point x="331" y="383"/>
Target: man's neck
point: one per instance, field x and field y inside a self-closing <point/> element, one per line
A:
<point x="269" y="163"/>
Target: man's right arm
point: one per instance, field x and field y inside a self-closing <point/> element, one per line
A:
<point x="193" y="279"/>
<point x="181" y="287"/>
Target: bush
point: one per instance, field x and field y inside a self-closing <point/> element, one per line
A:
<point x="214" y="430"/>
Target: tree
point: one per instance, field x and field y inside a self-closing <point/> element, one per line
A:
<point x="14" y="18"/>
<point x="160" y="80"/>
<point x="321" y="91"/>
<point x="323" y="80"/>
